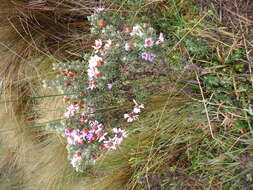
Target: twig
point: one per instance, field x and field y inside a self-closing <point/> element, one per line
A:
<point x="205" y="106"/>
<point x="239" y="16"/>
<point x="249" y="60"/>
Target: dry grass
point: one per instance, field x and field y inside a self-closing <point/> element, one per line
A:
<point x="50" y="27"/>
<point x="32" y="156"/>
<point x="36" y="33"/>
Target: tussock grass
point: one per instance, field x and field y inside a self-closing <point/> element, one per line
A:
<point x="11" y="142"/>
<point x="33" y="34"/>
<point x="30" y="156"/>
<point x="44" y="27"/>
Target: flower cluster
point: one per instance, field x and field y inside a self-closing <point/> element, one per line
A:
<point x="108" y="144"/>
<point x="89" y="134"/>
<point x="143" y="39"/>
<point x="101" y="80"/>
<point x="95" y="133"/>
<point x="93" y="71"/>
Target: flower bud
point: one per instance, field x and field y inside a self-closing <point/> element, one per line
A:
<point x="127" y="30"/>
<point x="65" y="100"/>
<point x="70" y="74"/>
<point x="67" y="83"/>
<point x="82" y="102"/>
<point x="101" y="23"/>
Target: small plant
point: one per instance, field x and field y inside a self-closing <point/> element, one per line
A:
<point x="98" y="87"/>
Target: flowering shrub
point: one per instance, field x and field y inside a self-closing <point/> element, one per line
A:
<point x="96" y="87"/>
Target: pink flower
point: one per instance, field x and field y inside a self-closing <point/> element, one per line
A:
<point x="160" y="40"/>
<point x="98" y="44"/>
<point x="145" y="25"/>
<point x="74" y="137"/>
<point x="151" y="57"/>
<point x="130" y="117"/>
<point x="148" y="42"/>
<point x="77" y="155"/>
<point x="145" y="56"/>
<point x="68" y="131"/>
<point x="89" y="137"/>
<point x="110" y="85"/>
<point x="148" y="56"/>
<point x="128" y="46"/>
<point x="137" y="107"/>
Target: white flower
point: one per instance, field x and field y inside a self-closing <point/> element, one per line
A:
<point x="94" y="123"/>
<point x="91" y="111"/>
<point x="137" y="30"/>
<point x="78" y="139"/>
<point x="75" y="161"/>
<point x="108" y="45"/>
<point x="75" y="137"/>
<point x="110" y="144"/>
<point x="119" y="135"/>
<point x="93" y="73"/>
<point x="151" y="29"/>
<point x="95" y="61"/>
<point x="131" y="117"/>
<point x="137" y="107"/>
<point x="71" y="111"/>
<point x="160" y="40"/>
<point x="101" y="134"/>
<point x="98" y="44"/>
<point x="97" y="128"/>
<point x="99" y="9"/>
<point x="70" y="140"/>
